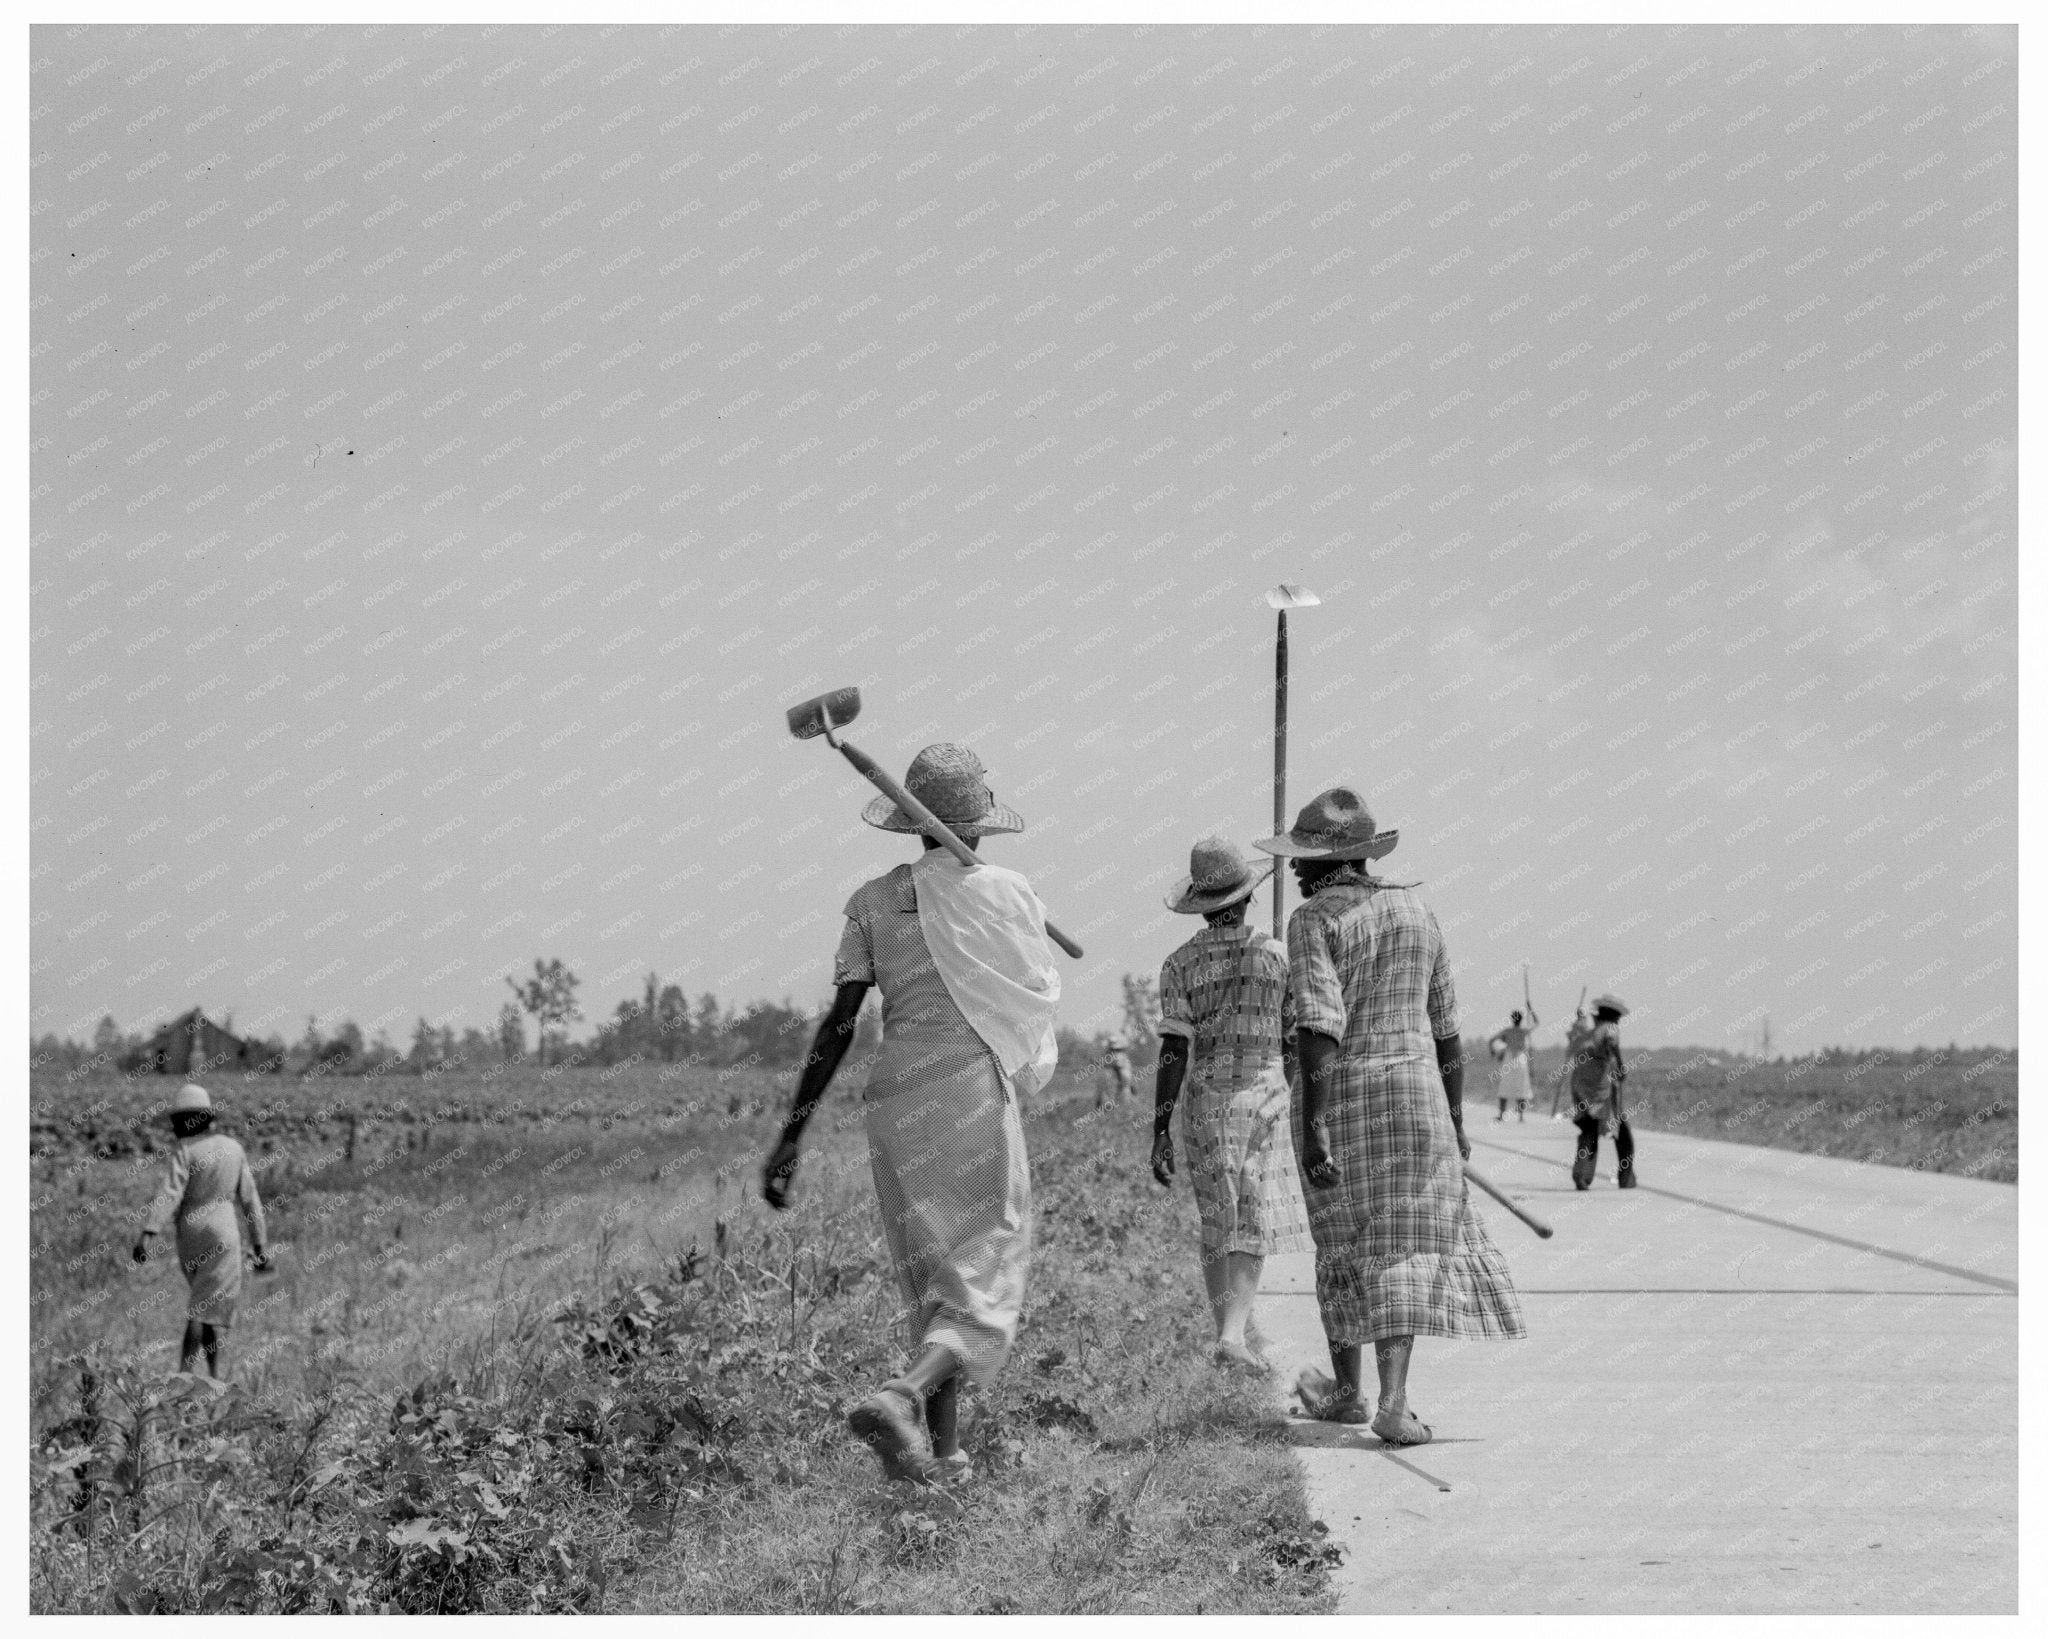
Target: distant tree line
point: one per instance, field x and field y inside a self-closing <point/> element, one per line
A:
<point x="661" y="1025"/>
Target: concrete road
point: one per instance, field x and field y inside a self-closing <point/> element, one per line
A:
<point x="1760" y="1382"/>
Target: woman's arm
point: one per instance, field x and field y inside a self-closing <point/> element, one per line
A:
<point x="828" y="1047"/>
<point x="1450" y="1064"/>
<point x="163" y="1209"/>
<point x="1166" y="1085"/>
<point x="1317" y="1054"/>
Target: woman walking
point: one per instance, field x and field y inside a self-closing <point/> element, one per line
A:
<point x="968" y="987"/>
<point x="1510" y="1049"/>
<point x="207" y="1179"/>
<point x="1223" y="1031"/>
<point x="1399" y="1251"/>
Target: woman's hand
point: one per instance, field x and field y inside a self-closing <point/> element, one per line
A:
<point x="140" y="1251"/>
<point x="1162" y="1160"/>
<point x="262" y="1260"/>
<point x="1464" y="1143"/>
<point x="777" y="1175"/>
<point x="1318" y="1166"/>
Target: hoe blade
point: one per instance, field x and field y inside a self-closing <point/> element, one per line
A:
<point x="834" y="710"/>
<point x="1289" y="596"/>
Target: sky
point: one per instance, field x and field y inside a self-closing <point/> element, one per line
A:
<point x="454" y="448"/>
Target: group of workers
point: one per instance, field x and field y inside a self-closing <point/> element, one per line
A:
<point x="1320" y="1086"/>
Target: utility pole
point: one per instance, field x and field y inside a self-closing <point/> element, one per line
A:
<point x="1282" y="598"/>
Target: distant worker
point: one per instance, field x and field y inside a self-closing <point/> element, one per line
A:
<point x="960" y="955"/>
<point x="207" y="1179"/>
<point x="1223" y="1040"/>
<point x="1510" y="1049"/>
<point x="1575" y="1035"/>
<point x="1597" y="1076"/>
<point x="1114" y="1077"/>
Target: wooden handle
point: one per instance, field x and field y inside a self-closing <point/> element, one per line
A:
<point x="934" y="827"/>
<point x="1472" y="1175"/>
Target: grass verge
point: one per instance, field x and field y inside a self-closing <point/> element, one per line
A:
<point x="673" y="1438"/>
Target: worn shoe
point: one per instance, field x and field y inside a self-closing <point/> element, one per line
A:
<point x="1405" y="1430"/>
<point x="890" y="1422"/>
<point x="952" y="1472"/>
<point x="1322" y="1400"/>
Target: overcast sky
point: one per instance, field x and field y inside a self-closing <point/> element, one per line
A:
<point x="454" y="448"/>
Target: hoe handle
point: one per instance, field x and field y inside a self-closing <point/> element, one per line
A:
<point x="933" y="826"/>
<point x="1543" y="1230"/>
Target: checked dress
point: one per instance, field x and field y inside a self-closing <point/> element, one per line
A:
<point x="1399" y="1248"/>
<point x="1226" y="991"/>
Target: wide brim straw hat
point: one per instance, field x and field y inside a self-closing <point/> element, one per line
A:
<point x="950" y="781"/>
<point x="1609" y="999"/>
<point x="1334" y="825"/>
<point x="191" y="1097"/>
<point x="1219" y="874"/>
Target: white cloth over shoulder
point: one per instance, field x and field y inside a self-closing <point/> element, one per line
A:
<point x="985" y="929"/>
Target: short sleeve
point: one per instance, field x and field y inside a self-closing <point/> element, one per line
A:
<point x="1176" y="1008"/>
<point x="1312" y="970"/>
<point x="1443" y="996"/>
<point x="855" y="961"/>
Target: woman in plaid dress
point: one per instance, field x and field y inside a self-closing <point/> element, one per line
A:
<point x="1225" y="1020"/>
<point x="1399" y="1250"/>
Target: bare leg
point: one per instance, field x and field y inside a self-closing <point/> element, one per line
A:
<point x="1241" y="1287"/>
<point x="1394" y="1422"/>
<point x="1346" y="1359"/>
<point x="189" y="1350"/>
<point x="213" y="1341"/>
<point x="1392" y="1355"/>
<point x="1216" y="1278"/>
<point x="942" y="1417"/>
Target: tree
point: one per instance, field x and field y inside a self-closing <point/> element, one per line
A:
<point x="550" y="996"/>
<point x="511" y="1033"/>
<point x="672" y="1022"/>
<point x="106" y="1036"/>
<point x="705" y="1034"/>
<point x="1141" y="1012"/>
<point x="426" y="1043"/>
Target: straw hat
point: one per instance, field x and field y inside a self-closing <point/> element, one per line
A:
<point x="1609" y="999"/>
<point x="1335" y="825"/>
<point x="1219" y="874"/>
<point x="190" y="1097"/>
<point x="950" y="781"/>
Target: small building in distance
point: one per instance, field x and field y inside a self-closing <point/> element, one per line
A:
<point x="192" y="1044"/>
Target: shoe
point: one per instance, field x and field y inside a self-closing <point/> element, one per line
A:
<point x="1321" y="1399"/>
<point x="1405" y="1430"/>
<point x="1582" y="1173"/>
<point x="890" y="1422"/>
<point x="954" y="1471"/>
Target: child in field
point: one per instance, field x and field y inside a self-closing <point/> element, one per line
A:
<point x="207" y="1179"/>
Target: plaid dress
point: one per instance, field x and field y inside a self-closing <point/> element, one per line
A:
<point x="1399" y="1249"/>
<point x="945" y="1143"/>
<point x="1225" y="991"/>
